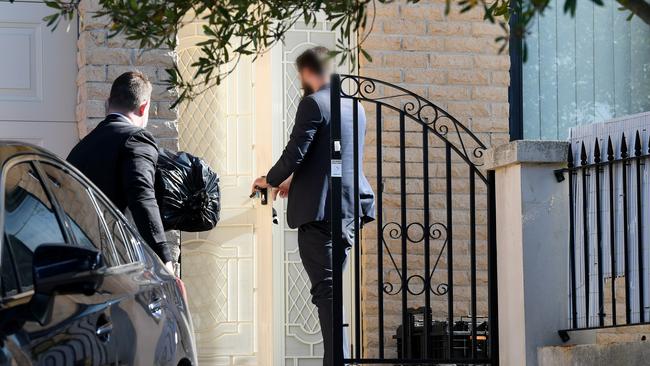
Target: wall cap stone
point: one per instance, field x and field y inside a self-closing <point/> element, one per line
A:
<point x="526" y="151"/>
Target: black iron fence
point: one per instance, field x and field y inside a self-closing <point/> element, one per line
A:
<point x="609" y="235"/>
<point x="424" y="273"/>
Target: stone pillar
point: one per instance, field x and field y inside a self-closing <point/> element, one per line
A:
<point x="532" y="247"/>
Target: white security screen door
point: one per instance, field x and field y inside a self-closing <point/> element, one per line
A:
<point x="38" y="71"/>
<point x="218" y="266"/>
<point x="298" y="340"/>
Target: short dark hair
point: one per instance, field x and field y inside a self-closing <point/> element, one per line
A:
<point x="129" y="91"/>
<point x="315" y="59"/>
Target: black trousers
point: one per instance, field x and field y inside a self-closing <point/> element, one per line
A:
<point x="315" y="246"/>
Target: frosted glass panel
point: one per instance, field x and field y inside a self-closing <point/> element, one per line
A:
<point x="586" y="69"/>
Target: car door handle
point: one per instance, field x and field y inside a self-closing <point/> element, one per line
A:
<point x="155" y="308"/>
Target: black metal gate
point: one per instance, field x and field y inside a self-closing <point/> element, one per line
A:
<point x="424" y="274"/>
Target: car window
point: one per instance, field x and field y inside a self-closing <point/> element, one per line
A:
<point x="9" y="274"/>
<point x="123" y="246"/>
<point x="30" y="221"/>
<point x="81" y="214"/>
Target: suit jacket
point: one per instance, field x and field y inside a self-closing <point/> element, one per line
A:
<point x="120" y="159"/>
<point x="307" y="156"/>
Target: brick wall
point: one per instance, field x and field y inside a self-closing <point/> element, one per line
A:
<point x="101" y="59"/>
<point x="454" y="62"/>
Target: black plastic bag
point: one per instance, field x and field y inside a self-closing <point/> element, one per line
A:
<point x="187" y="191"/>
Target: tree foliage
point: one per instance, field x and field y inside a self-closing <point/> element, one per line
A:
<point x="236" y="28"/>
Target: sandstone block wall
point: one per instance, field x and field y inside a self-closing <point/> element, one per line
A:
<point x="454" y="62"/>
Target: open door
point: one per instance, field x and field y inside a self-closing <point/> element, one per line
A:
<point x="222" y="267"/>
<point x="297" y="333"/>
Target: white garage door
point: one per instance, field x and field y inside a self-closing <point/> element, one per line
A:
<point x="37" y="78"/>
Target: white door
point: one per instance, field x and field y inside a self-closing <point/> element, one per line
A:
<point x="38" y="71"/>
<point x="221" y="267"/>
<point x="298" y="340"/>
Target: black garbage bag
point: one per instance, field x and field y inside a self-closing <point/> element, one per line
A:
<point x="187" y="191"/>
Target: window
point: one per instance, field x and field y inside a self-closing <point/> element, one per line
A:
<point x="586" y="69"/>
<point x="82" y="217"/>
<point x="123" y="247"/>
<point x="29" y="222"/>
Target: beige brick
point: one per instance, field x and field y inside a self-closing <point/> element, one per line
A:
<point x="491" y="93"/>
<point x="392" y="75"/>
<point x="162" y="110"/>
<point x="494" y="62"/>
<point x="155" y="57"/>
<point x="120" y="41"/>
<point x="501" y="78"/>
<point x="406" y="59"/>
<point x="86" y="6"/>
<point x="468" y="109"/>
<point x="91" y="39"/>
<point x="489" y="125"/>
<point x="405" y="27"/>
<point x="426" y="12"/>
<point x="412" y="43"/>
<point x="449" y="28"/>
<point x="487" y="29"/>
<point x="451" y="61"/>
<point x="116" y="70"/>
<point x="476" y="13"/>
<point x="89" y="73"/>
<point x="425" y="76"/>
<point x="96" y="91"/>
<point x="163" y="129"/>
<point x="449" y="92"/>
<point x="468" y="77"/>
<point x="92" y="22"/>
<point x="95" y="109"/>
<point x="107" y="56"/>
<point x="161" y="94"/>
<point x="500" y="110"/>
<point x="385" y="10"/>
<point x="388" y="43"/>
<point x="466" y="44"/>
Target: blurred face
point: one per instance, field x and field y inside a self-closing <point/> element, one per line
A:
<point x="310" y="81"/>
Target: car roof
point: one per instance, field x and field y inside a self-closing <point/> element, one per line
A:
<point x="9" y="148"/>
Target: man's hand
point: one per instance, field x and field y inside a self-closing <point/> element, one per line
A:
<point x="259" y="183"/>
<point x="283" y="189"/>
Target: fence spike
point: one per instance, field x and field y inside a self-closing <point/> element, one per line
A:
<point x="596" y="152"/>
<point x="583" y="154"/>
<point x="637" y="144"/>
<point x="570" y="157"/>
<point x="623" y="147"/>
<point x="610" y="149"/>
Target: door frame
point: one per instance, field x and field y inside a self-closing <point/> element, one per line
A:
<point x="274" y="67"/>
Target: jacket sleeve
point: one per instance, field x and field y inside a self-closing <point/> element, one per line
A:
<point x="308" y="120"/>
<point x="138" y="177"/>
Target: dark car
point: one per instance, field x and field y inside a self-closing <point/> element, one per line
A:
<point x="78" y="284"/>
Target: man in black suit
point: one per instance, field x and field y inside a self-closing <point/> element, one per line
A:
<point x="119" y="156"/>
<point x="303" y="174"/>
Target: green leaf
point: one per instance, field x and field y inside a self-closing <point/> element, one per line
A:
<point x="365" y="54"/>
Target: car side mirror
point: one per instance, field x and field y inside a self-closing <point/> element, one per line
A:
<point x="64" y="268"/>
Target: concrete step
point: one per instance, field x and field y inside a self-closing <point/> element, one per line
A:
<point x="607" y="354"/>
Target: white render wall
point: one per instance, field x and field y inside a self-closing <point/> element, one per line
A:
<point x="532" y="247"/>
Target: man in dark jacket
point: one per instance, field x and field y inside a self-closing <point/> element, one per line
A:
<point x="119" y="156"/>
<point x="303" y="174"/>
